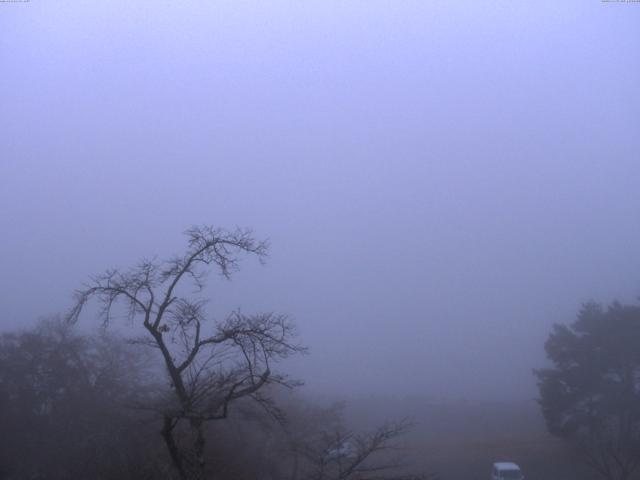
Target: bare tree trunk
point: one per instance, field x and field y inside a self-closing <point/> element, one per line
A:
<point x="174" y="451"/>
<point x="198" y="450"/>
<point x="191" y="465"/>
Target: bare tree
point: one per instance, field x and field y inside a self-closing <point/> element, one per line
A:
<point x="208" y="368"/>
<point x="345" y="455"/>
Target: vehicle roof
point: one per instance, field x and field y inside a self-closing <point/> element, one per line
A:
<point x="506" y="466"/>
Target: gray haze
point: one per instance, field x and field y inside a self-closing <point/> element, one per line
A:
<point x="440" y="181"/>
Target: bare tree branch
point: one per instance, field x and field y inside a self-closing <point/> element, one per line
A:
<point x="207" y="373"/>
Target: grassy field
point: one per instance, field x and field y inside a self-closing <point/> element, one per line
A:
<point x="461" y="440"/>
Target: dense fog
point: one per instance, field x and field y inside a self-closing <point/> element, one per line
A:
<point x="439" y="182"/>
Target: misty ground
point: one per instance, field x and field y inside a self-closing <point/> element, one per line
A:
<point x="461" y="439"/>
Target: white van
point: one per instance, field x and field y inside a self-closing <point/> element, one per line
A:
<point x="506" y="471"/>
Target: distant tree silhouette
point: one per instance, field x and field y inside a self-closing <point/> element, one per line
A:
<point x="65" y="403"/>
<point x="210" y="365"/>
<point x="591" y="396"/>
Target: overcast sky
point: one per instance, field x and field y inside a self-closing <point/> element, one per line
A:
<point x="441" y="181"/>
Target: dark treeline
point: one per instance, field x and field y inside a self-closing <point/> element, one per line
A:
<point x="77" y="406"/>
<point x="69" y="407"/>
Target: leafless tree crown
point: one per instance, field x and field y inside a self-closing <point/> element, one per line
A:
<point x="208" y="368"/>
